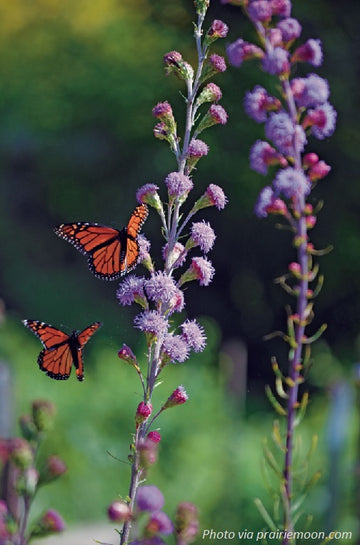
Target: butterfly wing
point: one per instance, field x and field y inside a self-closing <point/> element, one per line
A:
<point x="101" y="244"/>
<point x="56" y="358"/>
<point x="131" y="254"/>
<point x="81" y="340"/>
<point x="111" y="253"/>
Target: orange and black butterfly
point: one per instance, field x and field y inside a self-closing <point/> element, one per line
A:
<point x="111" y="253"/>
<point x="61" y="351"/>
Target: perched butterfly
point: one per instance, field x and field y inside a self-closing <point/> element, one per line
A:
<point x="111" y="253"/>
<point x="61" y="350"/>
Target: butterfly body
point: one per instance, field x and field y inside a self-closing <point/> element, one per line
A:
<point x="61" y="351"/>
<point x="111" y="253"/>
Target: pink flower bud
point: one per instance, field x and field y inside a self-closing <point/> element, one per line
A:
<point x="119" y="511"/>
<point x="143" y="412"/>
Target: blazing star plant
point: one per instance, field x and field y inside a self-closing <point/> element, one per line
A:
<point x="160" y="294"/>
<point x="300" y="111"/>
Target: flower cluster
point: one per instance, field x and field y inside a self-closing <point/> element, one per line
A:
<point x="302" y="109"/>
<point x="18" y="467"/>
<point x="159" y="294"/>
<point x="151" y="522"/>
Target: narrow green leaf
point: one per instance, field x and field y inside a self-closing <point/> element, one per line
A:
<point x="265" y="515"/>
<point x="274" y="402"/>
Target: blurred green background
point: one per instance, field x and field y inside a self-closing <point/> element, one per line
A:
<point x="78" y="82"/>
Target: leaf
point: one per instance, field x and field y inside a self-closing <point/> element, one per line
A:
<point x="265" y="515"/>
<point x="274" y="402"/>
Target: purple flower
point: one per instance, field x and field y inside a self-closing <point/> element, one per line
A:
<point x="264" y="201"/>
<point x="310" y="51"/>
<point x="149" y="498"/>
<point x="262" y="155"/>
<point x="178" y="397"/>
<point x="260" y="11"/>
<point x="203" y="235"/>
<point x="290" y="29"/>
<point x="148" y="194"/>
<point x="200" y="269"/>
<point x="159" y="522"/>
<point x="178" y="184"/>
<point x="216" y="196"/>
<point x="162" y="110"/>
<point x="258" y="102"/>
<point x="218" y="29"/>
<point x="194" y="335"/>
<point x="217" y="63"/>
<point x="176" y="303"/>
<point x="152" y="322"/>
<point x="177" y="251"/>
<point x="130" y="290"/>
<point x="197" y="148"/>
<point x="310" y="91"/>
<point x="175" y="348"/>
<point x="322" y="121"/>
<point x="144" y="248"/>
<point x="210" y="93"/>
<point x="160" y="287"/>
<point x="282" y="8"/>
<point x="276" y="61"/>
<point x="240" y="51"/>
<point x="186" y="522"/>
<point x="281" y="131"/>
<point x="291" y="183"/>
<point x="218" y="114"/>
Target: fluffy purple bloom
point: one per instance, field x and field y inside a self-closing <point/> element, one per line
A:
<point x="194" y="335"/>
<point x="152" y="322"/>
<point x="129" y="289"/>
<point x="218" y="29"/>
<point x="322" y="121"/>
<point x="178" y="184"/>
<point x="211" y="93"/>
<point x="160" y="287"/>
<point x="144" y="247"/>
<point x="258" y="102"/>
<point x="310" y="91"/>
<point x="291" y="183"/>
<point x="290" y="29"/>
<point x="217" y="63"/>
<point x="281" y="131"/>
<point x="240" y="51"/>
<point x="203" y="235"/>
<point x="218" y="114"/>
<point x="276" y="61"/>
<point x="264" y="201"/>
<point x="197" y="148"/>
<point x="216" y="196"/>
<point x="176" y="348"/>
<point x="160" y="522"/>
<point x="146" y="192"/>
<point x="310" y="51"/>
<point x="202" y="270"/>
<point x="260" y="11"/>
<point x="282" y="8"/>
<point x="162" y="109"/>
<point x="261" y="156"/>
<point x="149" y="498"/>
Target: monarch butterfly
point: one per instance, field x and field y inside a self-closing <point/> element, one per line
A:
<point x="111" y="253"/>
<point x="61" y="350"/>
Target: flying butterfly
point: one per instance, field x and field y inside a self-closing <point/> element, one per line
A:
<point x="111" y="253"/>
<point x="61" y="351"/>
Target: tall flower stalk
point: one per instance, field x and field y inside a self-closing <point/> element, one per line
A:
<point x="301" y="110"/>
<point x="160" y="294"/>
